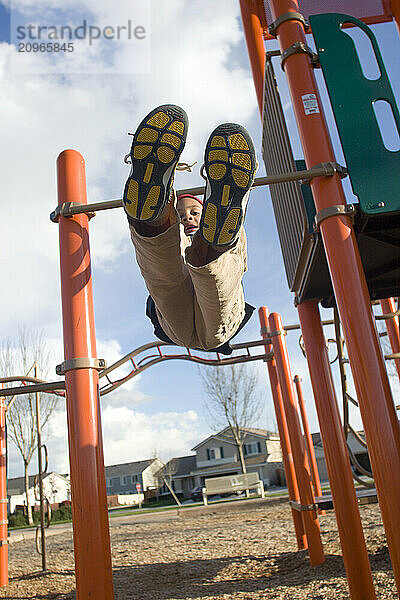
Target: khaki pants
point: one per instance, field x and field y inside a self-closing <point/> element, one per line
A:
<point x="198" y="307"/>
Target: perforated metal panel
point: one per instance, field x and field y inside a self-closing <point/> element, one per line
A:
<point x="288" y="203"/>
<point x="369" y="11"/>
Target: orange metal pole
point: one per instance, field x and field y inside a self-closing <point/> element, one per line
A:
<point x="308" y="441"/>
<point x="392" y="325"/>
<point x="395" y="6"/>
<point x="351" y="534"/>
<point x="93" y="570"/>
<point x="371" y="381"/>
<point x="287" y="455"/>
<point x="3" y="498"/>
<point x="255" y="46"/>
<point x="310" y="519"/>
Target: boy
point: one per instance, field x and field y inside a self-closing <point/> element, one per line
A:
<point x="193" y="270"/>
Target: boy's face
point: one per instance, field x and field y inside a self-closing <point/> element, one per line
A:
<point x="189" y="211"/>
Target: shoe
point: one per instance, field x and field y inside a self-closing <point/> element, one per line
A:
<point x="157" y="145"/>
<point x="230" y="165"/>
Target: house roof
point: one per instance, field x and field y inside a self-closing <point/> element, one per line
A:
<point x="352" y="441"/>
<point x="131" y="468"/>
<point x="16" y="485"/>
<point x="232" y="466"/>
<point x="226" y="435"/>
<point x="182" y="465"/>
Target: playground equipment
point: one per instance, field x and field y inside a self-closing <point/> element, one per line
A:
<point x="347" y="288"/>
<point x="347" y="279"/>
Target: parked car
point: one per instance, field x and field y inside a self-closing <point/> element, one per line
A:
<point x="197" y="494"/>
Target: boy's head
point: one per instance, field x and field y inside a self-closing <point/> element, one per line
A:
<point x="189" y="209"/>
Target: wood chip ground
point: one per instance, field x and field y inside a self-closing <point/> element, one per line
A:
<point x="241" y="552"/>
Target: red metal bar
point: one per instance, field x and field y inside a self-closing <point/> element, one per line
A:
<point x="287" y="455"/>
<point x="392" y="325"/>
<point x="337" y="459"/>
<point x="253" y="32"/>
<point x="308" y="441"/>
<point x="310" y="519"/>
<point x="371" y="381"/>
<point x="89" y="503"/>
<point x="3" y="497"/>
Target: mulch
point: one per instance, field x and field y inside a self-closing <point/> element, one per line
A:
<point x="244" y="552"/>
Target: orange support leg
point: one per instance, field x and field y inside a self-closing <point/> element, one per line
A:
<point x="395" y="7"/>
<point x="255" y="46"/>
<point x="287" y="455"/>
<point x="93" y="570"/>
<point x="392" y="326"/>
<point x="371" y="381"/>
<point x="337" y="459"/>
<point x="308" y="441"/>
<point x="310" y="519"/>
<point x="3" y="498"/>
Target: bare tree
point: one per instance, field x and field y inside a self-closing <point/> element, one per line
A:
<point x="232" y="400"/>
<point x="165" y="474"/>
<point x="17" y="356"/>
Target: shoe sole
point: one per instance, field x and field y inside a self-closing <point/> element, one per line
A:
<point x="230" y="165"/>
<point x="157" y="145"/>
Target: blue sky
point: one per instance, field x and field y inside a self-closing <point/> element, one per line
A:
<point x="198" y="60"/>
<point x="4" y="23"/>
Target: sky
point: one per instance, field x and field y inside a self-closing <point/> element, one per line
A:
<point x="193" y="55"/>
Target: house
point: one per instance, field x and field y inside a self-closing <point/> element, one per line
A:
<point x="357" y="448"/>
<point x="126" y="478"/>
<point x="56" y="489"/>
<point x="179" y="473"/>
<point x="217" y="456"/>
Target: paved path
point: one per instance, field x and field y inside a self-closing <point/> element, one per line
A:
<point x="18" y="535"/>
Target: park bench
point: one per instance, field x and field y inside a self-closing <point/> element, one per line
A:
<point x="232" y="484"/>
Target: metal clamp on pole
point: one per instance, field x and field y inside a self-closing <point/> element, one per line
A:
<point x="348" y="210"/>
<point x="288" y="16"/>
<point x="81" y="363"/>
<point x="278" y="332"/>
<point x="299" y="48"/>
<point x="302" y="507"/>
<point x="329" y="169"/>
<point x="3" y="542"/>
<point x="66" y="210"/>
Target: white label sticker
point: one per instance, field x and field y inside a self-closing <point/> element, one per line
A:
<point x="310" y="104"/>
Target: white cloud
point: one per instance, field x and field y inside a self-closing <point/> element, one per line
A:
<point x="128" y="435"/>
<point x="131" y="435"/>
<point x="43" y="115"/>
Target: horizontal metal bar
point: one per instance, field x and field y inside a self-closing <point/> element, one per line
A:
<point x="250" y="344"/>
<point x="106" y="389"/>
<point x="54" y="386"/>
<point x="302" y="507"/>
<point x="323" y="170"/>
<point x="297" y="326"/>
<point x="392" y="356"/>
<point x="387" y="316"/>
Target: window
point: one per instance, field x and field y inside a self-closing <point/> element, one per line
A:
<point x="109" y="482"/>
<point x="215" y="453"/>
<point x="253" y="448"/>
<point x="135" y="478"/>
<point x="125" y="479"/>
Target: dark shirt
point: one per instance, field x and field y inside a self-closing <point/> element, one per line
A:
<point x="159" y="332"/>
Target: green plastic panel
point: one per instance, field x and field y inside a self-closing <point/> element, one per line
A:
<point x="374" y="170"/>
